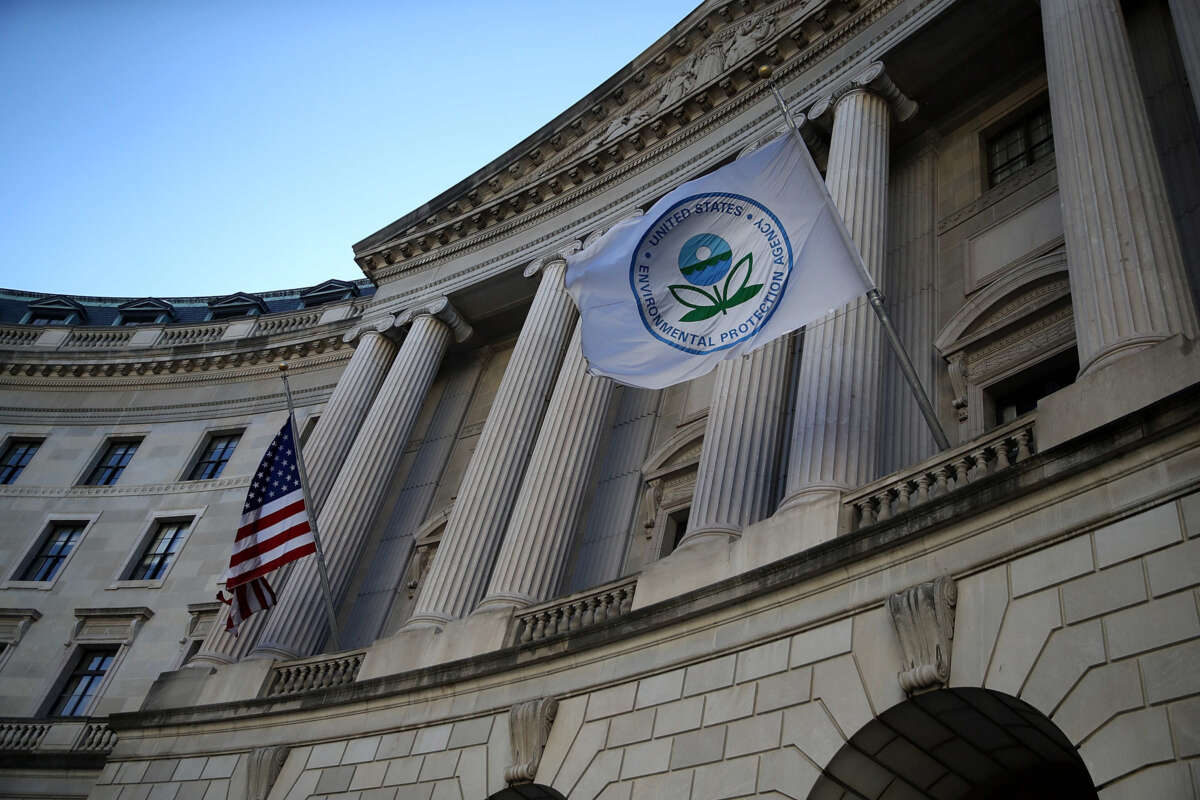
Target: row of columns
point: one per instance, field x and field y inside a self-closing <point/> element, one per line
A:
<point x="508" y="539"/>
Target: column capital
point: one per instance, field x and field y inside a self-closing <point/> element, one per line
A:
<point x="441" y="309"/>
<point x="874" y="79"/>
<point x="545" y="262"/>
<point x="381" y="324"/>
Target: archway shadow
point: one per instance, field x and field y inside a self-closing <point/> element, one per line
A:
<point x="957" y="744"/>
<point x="527" y="791"/>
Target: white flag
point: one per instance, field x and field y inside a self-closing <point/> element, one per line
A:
<point x="717" y="268"/>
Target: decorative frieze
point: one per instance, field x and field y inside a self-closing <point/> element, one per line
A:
<point x="923" y="616"/>
<point x="529" y="725"/>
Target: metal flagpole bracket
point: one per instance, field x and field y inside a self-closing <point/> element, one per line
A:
<point x="873" y="296"/>
<point x="321" y="569"/>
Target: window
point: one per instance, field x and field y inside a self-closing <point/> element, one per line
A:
<point x="677" y="524"/>
<point x="1019" y="145"/>
<point x="1019" y="394"/>
<point x="16" y="456"/>
<point x="160" y="551"/>
<point x="110" y="466"/>
<point x="310" y="425"/>
<point x="214" y="457"/>
<point x="53" y="551"/>
<point x="84" y="681"/>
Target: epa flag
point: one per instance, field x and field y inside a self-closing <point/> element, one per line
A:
<point x="274" y="530"/>
<point x="717" y="268"/>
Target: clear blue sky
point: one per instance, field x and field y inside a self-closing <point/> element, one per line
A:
<point x="174" y="147"/>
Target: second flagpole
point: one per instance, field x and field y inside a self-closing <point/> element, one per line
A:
<point x="312" y="511"/>
<point x="873" y="295"/>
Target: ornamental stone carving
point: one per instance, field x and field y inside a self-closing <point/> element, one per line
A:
<point x="529" y="726"/>
<point x="923" y="616"/>
<point x="262" y="768"/>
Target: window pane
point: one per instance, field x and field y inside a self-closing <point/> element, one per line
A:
<point x="215" y="456"/>
<point x="160" y="552"/>
<point x="112" y="463"/>
<point x="53" y="551"/>
<point x="80" y="689"/>
<point x="16" y="456"/>
<point x="1019" y="145"/>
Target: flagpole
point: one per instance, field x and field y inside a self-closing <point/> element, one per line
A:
<point x="312" y="511"/>
<point x="873" y="295"/>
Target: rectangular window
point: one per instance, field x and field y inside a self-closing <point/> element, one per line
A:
<point x="1019" y="145"/>
<point x="110" y="466"/>
<point x="53" y="551"/>
<point x="215" y="456"/>
<point x="80" y="689"/>
<point x="16" y="456"/>
<point x="161" y="550"/>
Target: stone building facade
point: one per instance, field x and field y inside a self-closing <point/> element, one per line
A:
<point x="765" y="582"/>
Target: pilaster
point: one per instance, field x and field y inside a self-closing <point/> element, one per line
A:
<point x="297" y="626"/>
<point x="1128" y="285"/>
<point x="459" y="573"/>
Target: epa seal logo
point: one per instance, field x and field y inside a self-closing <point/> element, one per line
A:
<point x="734" y="258"/>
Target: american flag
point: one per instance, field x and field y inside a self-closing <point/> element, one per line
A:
<point x="274" y="530"/>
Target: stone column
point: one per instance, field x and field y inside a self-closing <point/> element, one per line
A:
<point x="1185" y="14"/>
<point x="459" y="573"/>
<point x="297" y="627"/>
<point x="537" y="544"/>
<point x="1128" y="285"/>
<point x="324" y="452"/>
<point x="834" y="440"/>
<point x="735" y="482"/>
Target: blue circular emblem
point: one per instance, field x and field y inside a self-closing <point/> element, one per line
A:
<point x="734" y="258"/>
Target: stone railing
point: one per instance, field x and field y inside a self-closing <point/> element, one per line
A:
<point x="22" y="734"/>
<point x="16" y="337"/>
<point x="98" y="337"/>
<point x="56" y="736"/>
<point x="320" y="672"/>
<point x="574" y="612"/>
<point x="995" y="451"/>
<point x="191" y="334"/>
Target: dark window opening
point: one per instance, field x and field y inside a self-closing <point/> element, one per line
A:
<point x="1019" y="394"/>
<point x="76" y="696"/>
<point x="110" y="466"/>
<point x="16" y="457"/>
<point x="677" y="527"/>
<point x="53" y="551"/>
<point x="1013" y="148"/>
<point x="161" y="551"/>
<point x="215" y="456"/>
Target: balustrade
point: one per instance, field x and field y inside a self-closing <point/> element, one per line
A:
<point x="293" y="677"/>
<point x="574" y="612"/>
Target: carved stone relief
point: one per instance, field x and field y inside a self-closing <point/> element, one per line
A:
<point x="262" y="768"/>
<point x="529" y="726"/>
<point x="923" y="616"/>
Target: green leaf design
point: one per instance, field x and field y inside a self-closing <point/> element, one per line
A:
<point x="697" y="314"/>
<point x="675" y="292"/>
<point x="733" y="272"/>
<point x="743" y="294"/>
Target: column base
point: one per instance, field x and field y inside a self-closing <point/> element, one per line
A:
<point x="711" y="533"/>
<point x="504" y="602"/>
<point x="421" y="622"/>
<point x="811" y="493"/>
<point x="483" y="631"/>
<point x="1118" y="350"/>
<point x="268" y="652"/>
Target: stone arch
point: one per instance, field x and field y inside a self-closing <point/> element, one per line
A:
<point x="965" y="743"/>
<point x="527" y="791"/>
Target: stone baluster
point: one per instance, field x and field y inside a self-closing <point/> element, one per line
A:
<point x="1128" y="285"/>
<point x="834" y="440"/>
<point x="297" y="626"/>
<point x="735" y="481"/>
<point x="459" y="573"/>
<point x="533" y="556"/>
<point x="324" y="452"/>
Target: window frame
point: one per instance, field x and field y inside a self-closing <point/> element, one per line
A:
<point x="12" y="441"/>
<point x="1019" y="117"/>
<point x="31" y="551"/>
<point x="154" y="521"/>
<point x="96" y="462"/>
<point x="76" y="670"/>
<point x="198" y="453"/>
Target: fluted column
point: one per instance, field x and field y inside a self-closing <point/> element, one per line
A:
<point x="1185" y="14"/>
<point x="459" y="573"/>
<point x="834" y="440"/>
<point x="324" y="452"/>
<point x="735" y="482"/>
<point x="1128" y="285"/>
<point x="533" y="555"/>
<point x="297" y="626"/>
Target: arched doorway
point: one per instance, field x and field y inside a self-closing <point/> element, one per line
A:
<point x="957" y="744"/>
<point x="527" y="791"/>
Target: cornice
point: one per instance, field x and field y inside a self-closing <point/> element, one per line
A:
<point x="620" y="126"/>
<point x="847" y="29"/>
